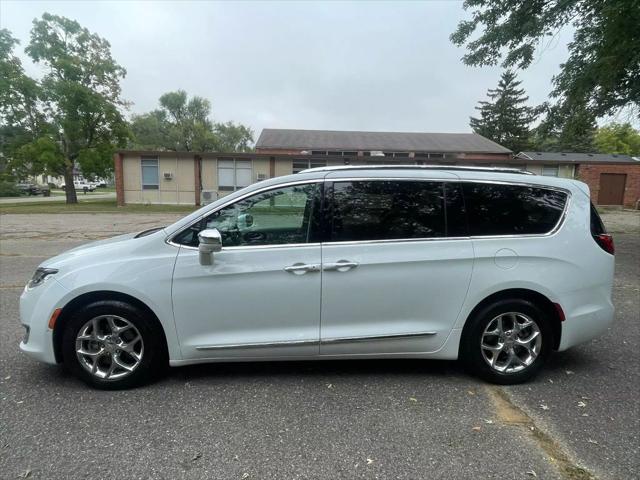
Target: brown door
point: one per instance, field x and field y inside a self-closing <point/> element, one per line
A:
<point x="612" y="188"/>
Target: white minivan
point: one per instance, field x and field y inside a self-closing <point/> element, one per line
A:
<point x="493" y="266"/>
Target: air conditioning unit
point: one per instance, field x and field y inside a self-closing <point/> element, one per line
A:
<point x="261" y="176"/>
<point x="208" y="196"/>
<point x="168" y="175"/>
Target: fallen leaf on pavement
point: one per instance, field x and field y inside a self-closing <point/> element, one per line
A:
<point x="196" y="456"/>
<point x="488" y="422"/>
<point x="581" y="404"/>
<point x="25" y="474"/>
<point x="532" y="473"/>
<point x="412" y="399"/>
<point x="476" y="428"/>
<point x="592" y="441"/>
<point x="544" y="407"/>
<point x="569" y="372"/>
<point x="369" y="461"/>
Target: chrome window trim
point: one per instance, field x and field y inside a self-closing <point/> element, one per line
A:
<point x="326" y="341"/>
<point x="553" y="231"/>
<point x="395" y="240"/>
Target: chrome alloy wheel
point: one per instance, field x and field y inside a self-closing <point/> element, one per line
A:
<point x="109" y="347"/>
<point x="511" y="342"/>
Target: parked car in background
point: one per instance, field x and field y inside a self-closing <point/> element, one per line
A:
<point x="81" y="186"/>
<point x="493" y="266"/>
<point x="33" y="189"/>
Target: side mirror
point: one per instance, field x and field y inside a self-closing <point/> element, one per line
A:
<point x="210" y="242"/>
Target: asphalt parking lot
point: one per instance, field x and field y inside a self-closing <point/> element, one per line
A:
<point x="580" y="419"/>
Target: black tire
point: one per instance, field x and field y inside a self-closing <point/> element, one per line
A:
<point x="154" y="356"/>
<point x="471" y="352"/>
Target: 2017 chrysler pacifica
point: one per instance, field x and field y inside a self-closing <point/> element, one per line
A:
<point x="496" y="267"/>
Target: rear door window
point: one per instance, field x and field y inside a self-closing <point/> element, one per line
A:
<point x="496" y="209"/>
<point x="386" y="210"/>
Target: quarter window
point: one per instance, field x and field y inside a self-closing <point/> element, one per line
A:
<point x="494" y="209"/>
<point x="233" y="174"/>
<point x="387" y="210"/>
<point x="149" y="167"/>
<point x="280" y="216"/>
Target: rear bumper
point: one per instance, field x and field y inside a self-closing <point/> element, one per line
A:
<point x="589" y="313"/>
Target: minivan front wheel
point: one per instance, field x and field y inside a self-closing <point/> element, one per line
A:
<point x="111" y="345"/>
<point x="507" y="342"/>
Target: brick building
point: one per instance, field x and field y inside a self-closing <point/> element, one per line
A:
<point x="612" y="179"/>
<point x="195" y="177"/>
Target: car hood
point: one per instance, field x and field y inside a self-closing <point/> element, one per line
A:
<point x="117" y="245"/>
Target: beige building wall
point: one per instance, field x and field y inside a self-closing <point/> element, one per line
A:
<point x="260" y="167"/>
<point x="178" y="189"/>
<point x="209" y="175"/>
<point x="564" y="170"/>
<point x="284" y="166"/>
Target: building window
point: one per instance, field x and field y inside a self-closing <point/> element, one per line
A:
<point x="300" y="164"/>
<point x="550" y="170"/>
<point x="233" y="174"/>
<point x="318" y="152"/>
<point x="149" y="167"/>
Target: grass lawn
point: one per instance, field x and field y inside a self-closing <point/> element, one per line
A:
<point x="91" y="206"/>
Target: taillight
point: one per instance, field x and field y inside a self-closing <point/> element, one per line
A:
<point x="606" y="242"/>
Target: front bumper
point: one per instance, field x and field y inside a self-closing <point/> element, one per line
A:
<point x="36" y="307"/>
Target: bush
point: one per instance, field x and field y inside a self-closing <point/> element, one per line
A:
<point x="9" y="189"/>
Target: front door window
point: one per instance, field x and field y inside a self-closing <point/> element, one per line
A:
<point x="281" y="216"/>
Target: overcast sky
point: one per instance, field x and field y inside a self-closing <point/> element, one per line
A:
<point x="333" y="65"/>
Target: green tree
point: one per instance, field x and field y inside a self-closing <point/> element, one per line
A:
<point x="81" y="99"/>
<point x="619" y="138"/>
<point x="184" y="124"/>
<point x="505" y="117"/>
<point x="603" y="69"/>
<point x="20" y="118"/>
<point x="180" y="124"/>
<point x="231" y="137"/>
<point x="563" y="129"/>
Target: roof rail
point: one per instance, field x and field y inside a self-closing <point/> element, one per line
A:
<point x="418" y="167"/>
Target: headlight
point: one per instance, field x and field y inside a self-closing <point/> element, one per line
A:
<point x="40" y="276"/>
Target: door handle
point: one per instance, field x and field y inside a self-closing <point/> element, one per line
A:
<point x="302" y="268"/>
<point x="340" y="266"/>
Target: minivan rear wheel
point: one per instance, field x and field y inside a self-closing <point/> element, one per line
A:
<point x="112" y="345"/>
<point x="507" y="342"/>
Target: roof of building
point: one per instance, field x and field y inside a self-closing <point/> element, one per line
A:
<point x="277" y="138"/>
<point x="573" y="157"/>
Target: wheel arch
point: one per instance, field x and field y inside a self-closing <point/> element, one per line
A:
<point x="542" y="301"/>
<point x="86" y="298"/>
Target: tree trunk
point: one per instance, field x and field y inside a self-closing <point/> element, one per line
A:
<point x="69" y="188"/>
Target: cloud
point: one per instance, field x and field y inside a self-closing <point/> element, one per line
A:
<point x="334" y="65"/>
